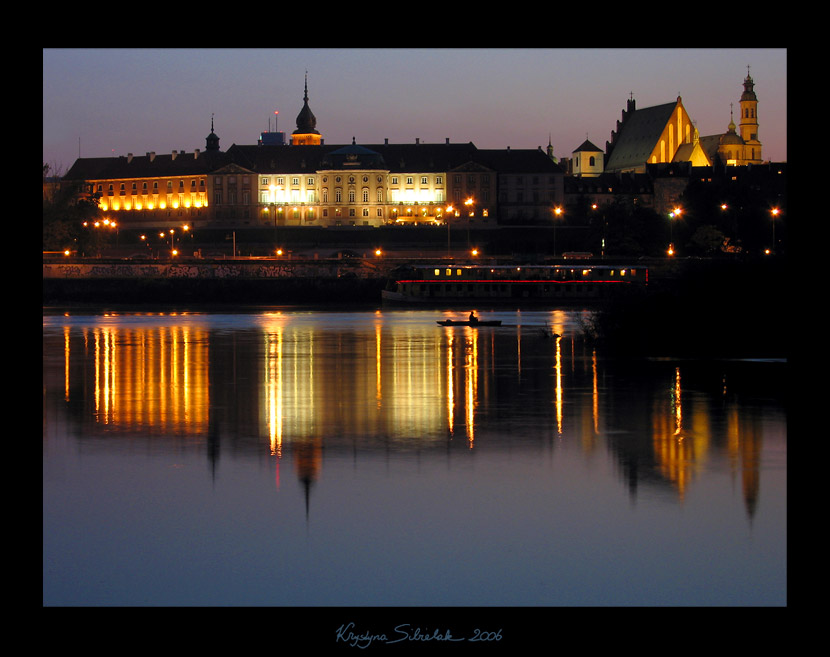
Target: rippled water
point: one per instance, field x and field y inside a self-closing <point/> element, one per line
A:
<point x="288" y="457"/>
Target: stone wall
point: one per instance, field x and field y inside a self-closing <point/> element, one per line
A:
<point x="198" y="270"/>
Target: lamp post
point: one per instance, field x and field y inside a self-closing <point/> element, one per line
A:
<point x="471" y="212"/>
<point x="672" y="215"/>
<point x="557" y="212"/>
<point x="449" y="213"/>
<point x="774" y="212"/>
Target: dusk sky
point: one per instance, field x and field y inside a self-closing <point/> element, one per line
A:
<point x="104" y="102"/>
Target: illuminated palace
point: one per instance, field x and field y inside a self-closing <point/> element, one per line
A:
<point x="309" y="183"/>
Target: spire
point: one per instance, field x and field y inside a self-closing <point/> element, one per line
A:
<point x="306" y="121"/>
<point x="749" y="87"/>
<point x="211" y="141"/>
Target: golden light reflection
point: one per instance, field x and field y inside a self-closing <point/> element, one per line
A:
<point x="471" y="381"/>
<point x="594" y="391"/>
<point x="66" y="353"/>
<point x="274" y="392"/>
<point x="450" y="385"/>
<point x="299" y="384"/>
<point x="679" y="450"/>
<point x="559" y="393"/>
<point x="152" y="378"/>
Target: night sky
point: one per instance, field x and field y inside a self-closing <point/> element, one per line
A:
<point x="105" y="102"/>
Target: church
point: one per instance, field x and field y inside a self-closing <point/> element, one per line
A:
<point x="665" y="134"/>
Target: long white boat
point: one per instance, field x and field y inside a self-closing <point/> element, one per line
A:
<point x="442" y="283"/>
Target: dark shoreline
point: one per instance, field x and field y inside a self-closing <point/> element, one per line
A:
<point x="748" y="299"/>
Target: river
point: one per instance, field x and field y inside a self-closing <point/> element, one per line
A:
<point x="326" y="458"/>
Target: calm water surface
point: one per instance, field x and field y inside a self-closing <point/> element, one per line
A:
<point x="312" y="458"/>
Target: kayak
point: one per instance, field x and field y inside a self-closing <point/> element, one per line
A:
<point x="467" y="322"/>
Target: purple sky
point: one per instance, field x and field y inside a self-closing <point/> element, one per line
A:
<point x="102" y="102"/>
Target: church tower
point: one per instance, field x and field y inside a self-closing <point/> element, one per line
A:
<point x="211" y="141"/>
<point x="306" y="133"/>
<point x="749" y="122"/>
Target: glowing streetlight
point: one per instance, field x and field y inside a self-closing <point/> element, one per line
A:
<point x="557" y="212"/>
<point x="676" y="212"/>
<point x="774" y="212"/>
<point x="450" y="212"/>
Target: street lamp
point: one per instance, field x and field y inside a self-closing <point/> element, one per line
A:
<point x="557" y="212"/>
<point x="450" y="211"/>
<point x="672" y="215"/>
<point x="775" y="212"/>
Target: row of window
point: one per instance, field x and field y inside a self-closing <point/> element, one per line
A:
<point x="267" y="181"/>
<point x="147" y="186"/>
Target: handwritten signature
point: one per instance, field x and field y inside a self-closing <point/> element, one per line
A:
<point x="347" y="633"/>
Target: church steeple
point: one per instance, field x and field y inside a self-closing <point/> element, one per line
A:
<point x="306" y="132"/>
<point x="748" y="123"/>
<point x="211" y="141"/>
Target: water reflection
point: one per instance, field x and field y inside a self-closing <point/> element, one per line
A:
<point x="303" y="381"/>
<point x="345" y="451"/>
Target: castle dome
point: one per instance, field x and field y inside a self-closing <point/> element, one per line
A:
<point x="306" y="121"/>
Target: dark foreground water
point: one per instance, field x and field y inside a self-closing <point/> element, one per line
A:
<point x="311" y="458"/>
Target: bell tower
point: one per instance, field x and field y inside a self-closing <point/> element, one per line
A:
<point x="748" y="124"/>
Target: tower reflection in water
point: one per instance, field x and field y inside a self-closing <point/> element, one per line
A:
<point x="295" y="384"/>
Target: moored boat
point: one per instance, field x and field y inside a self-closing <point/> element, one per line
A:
<point x="575" y="283"/>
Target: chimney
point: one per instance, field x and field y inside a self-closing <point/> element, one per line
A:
<point x="129" y="157"/>
<point x="151" y="155"/>
<point x="196" y="154"/>
<point x="175" y="153"/>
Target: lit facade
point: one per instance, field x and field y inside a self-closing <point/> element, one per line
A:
<point x="312" y="184"/>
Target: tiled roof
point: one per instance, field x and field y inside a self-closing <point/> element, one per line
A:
<point x="274" y="159"/>
<point x="146" y="166"/>
<point x="638" y="137"/>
